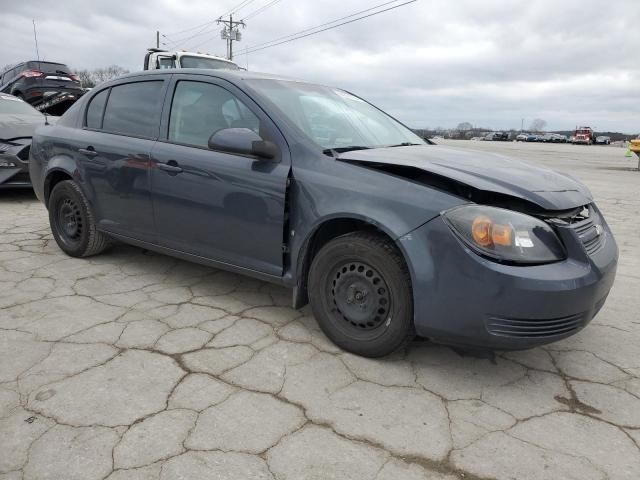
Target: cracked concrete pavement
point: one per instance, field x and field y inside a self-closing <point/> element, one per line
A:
<point x="132" y="365"/>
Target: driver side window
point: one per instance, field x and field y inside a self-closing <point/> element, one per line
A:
<point x="199" y="109"/>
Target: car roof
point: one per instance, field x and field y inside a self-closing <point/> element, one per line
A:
<point x="231" y="75"/>
<point x="12" y="66"/>
<point x="43" y="61"/>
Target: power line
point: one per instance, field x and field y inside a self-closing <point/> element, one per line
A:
<point x="233" y="9"/>
<point x="242" y="4"/>
<point x="324" y="24"/>
<point x="206" y="27"/>
<point x="297" y="35"/>
<point x="261" y="9"/>
<point x="188" y="29"/>
<point x="204" y="31"/>
<point x="252" y="14"/>
<point x="195" y="47"/>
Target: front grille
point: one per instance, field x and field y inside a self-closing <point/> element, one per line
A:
<point x="585" y="221"/>
<point x="508" y="327"/>
<point x="589" y="235"/>
<point x="22" y="154"/>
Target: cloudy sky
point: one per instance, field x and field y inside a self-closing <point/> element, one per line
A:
<point x="430" y="63"/>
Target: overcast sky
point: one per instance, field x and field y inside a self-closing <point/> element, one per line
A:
<point x="430" y="63"/>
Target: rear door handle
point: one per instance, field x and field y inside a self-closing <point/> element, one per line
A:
<point x="170" y="167"/>
<point x="89" y="151"/>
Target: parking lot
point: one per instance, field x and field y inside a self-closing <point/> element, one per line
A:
<point x="133" y="365"/>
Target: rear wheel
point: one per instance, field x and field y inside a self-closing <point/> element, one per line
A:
<point x="72" y="222"/>
<point x="360" y="293"/>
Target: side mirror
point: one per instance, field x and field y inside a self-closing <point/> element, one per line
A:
<point x="242" y="141"/>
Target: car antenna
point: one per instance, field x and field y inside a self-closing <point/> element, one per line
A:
<point x="35" y="39"/>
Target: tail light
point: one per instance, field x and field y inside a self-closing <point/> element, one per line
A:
<point x="31" y="73"/>
<point x="74" y="77"/>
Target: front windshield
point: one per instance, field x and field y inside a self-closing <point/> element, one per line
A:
<point x="204" y="62"/>
<point x="333" y="118"/>
<point x="15" y="106"/>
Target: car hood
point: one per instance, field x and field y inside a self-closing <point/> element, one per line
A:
<point x="485" y="171"/>
<point x="15" y="125"/>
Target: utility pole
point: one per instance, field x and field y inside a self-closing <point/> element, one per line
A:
<point x="157" y="38"/>
<point x="230" y="33"/>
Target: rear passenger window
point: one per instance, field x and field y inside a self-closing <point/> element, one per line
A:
<point x="133" y="109"/>
<point x="95" y="109"/>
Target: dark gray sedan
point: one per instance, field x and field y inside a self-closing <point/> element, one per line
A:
<point x="314" y="188"/>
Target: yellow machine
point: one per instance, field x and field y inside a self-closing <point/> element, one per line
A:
<point x="634" y="146"/>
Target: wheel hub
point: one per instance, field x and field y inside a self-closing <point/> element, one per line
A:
<point x="70" y="220"/>
<point x="360" y="295"/>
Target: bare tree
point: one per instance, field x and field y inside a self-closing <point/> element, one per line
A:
<point x="86" y="78"/>
<point x="464" y="126"/>
<point x="104" y="74"/>
<point x="538" y="125"/>
<point x="91" y="78"/>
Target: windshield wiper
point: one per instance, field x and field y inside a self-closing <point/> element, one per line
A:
<point x="332" y="151"/>
<point x="350" y="148"/>
<point x="403" y="144"/>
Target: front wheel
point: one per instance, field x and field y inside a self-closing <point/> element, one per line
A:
<point x="72" y="222"/>
<point x="360" y="293"/>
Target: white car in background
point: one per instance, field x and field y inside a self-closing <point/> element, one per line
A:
<point x="18" y="121"/>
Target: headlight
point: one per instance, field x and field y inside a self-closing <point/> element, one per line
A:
<point x="6" y="164"/>
<point x="505" y="235"/>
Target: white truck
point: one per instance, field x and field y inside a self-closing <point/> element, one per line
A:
<point x="157" y="59"/>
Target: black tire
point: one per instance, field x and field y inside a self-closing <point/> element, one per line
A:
<point x="72" y="222"/>
<point x="360" y="293"/>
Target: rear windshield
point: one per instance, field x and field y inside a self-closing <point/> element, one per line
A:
<point x="48" y="67"/>
<point x="15" y="106"/>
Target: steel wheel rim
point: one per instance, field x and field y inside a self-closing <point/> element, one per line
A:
<point x="69" y="221"/>
<point x="360" y="297"/>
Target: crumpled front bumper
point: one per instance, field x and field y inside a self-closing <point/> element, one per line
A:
<point x="14" y="176"/>
<point x="462" y="298"/>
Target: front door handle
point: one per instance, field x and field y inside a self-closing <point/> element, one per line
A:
<point x="171" y="167"/>
<point x="89" y="152"/>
